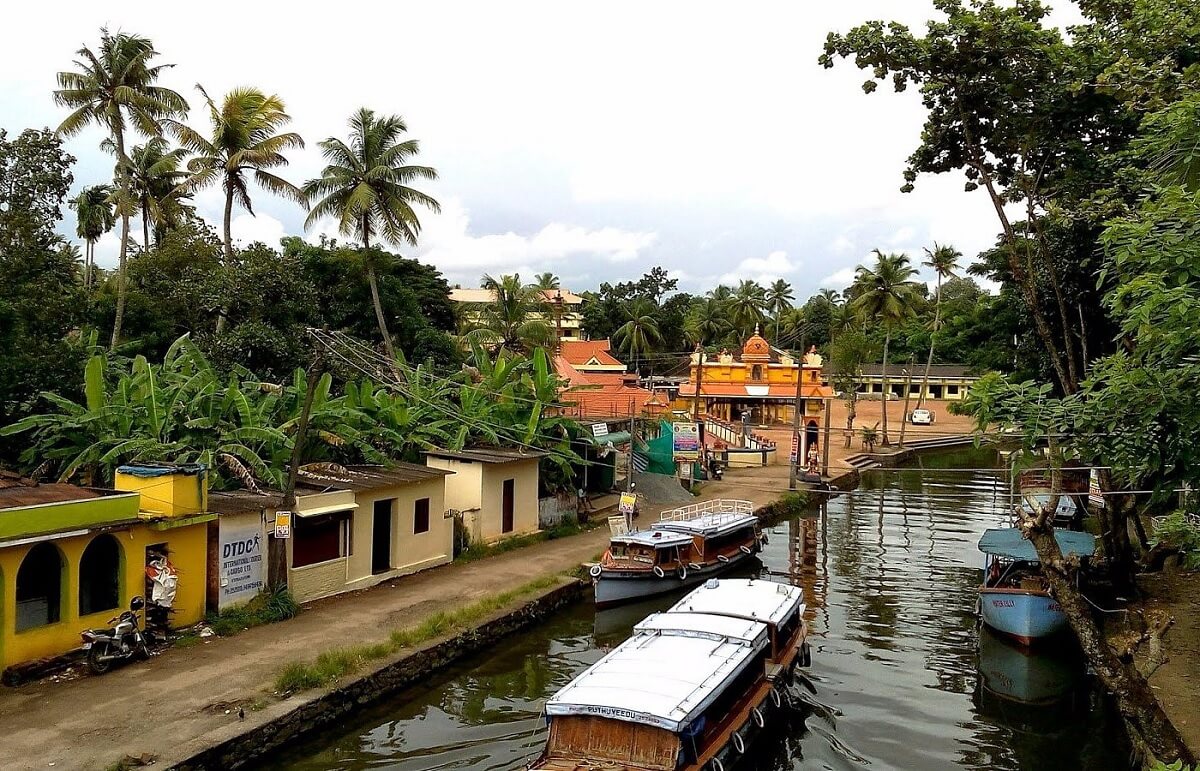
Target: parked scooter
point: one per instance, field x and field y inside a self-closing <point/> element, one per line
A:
<point x="121" y="642"/>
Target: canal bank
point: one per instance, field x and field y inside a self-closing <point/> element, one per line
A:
<point x="190" y="701"/>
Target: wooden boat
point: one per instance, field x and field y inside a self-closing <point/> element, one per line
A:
<point x="686" y="547"/>
<point x="1014" y="598"/>
<point x="691" y="689"/>
<point x="1020" y="675"/>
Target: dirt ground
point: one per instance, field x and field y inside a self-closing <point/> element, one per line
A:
<point x="1176" y="682"/>
<point x="185" y="699"/>
<point x="867" y="414"/>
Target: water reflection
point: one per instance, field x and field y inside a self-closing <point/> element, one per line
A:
<point x="902" y="677"/>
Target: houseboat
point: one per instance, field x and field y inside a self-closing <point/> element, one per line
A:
<point x="1014" y="598"/>
<point x="686" y="547"/>
<point x="691" y="689"/>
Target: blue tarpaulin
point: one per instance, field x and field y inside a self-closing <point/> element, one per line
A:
<point x="1009" y="542"/>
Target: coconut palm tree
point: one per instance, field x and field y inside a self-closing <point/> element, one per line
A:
<point x="747" y="304"/>
<point x="514" y="318"/>
<point x="885" y="293"/>
<point x="831" y="296"/>
<point x="245" y="138"/>
<point x="706" y="321"/>
<point x="546" y="281"/>
<point x="114" y="88"/>
<point x="944" y="261"/>
<point x="154" y="178"/>
<point x="93" y="218"/>
<point x="779" y="298"/>
<point x="367" y="188"/>
<point x="640" y="331"/>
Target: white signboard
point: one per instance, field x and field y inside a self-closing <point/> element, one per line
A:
<point x="283" y="524"/>
<point x="1095" y="496"/>
<point x="599" y="430"/>
<point x="241" y="563"/>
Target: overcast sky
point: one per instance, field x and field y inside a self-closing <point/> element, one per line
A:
<point x="594" y="140"/>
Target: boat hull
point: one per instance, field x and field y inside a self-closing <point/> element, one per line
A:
<point x="1024" y="616"/>
<point x="614" y="587"/>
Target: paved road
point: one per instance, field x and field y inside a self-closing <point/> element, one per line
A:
<point x="175" y="704"/>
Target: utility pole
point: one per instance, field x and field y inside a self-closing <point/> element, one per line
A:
<point x="629" y="462"/>
<point x="907" y="393"/>
<point x="797" y="409"/>
<point x="277" y="547"/>
<point x="699" y="353"/>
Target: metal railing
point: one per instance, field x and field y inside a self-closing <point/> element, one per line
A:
<point x="704" y="508"/>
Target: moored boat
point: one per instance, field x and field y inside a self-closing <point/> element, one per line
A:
<point x="685" y="548"/>
<point x="1014" y="598"/>
<point x="691" y="689"/>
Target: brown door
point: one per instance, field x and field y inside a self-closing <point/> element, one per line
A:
<point x="506" y="506"/>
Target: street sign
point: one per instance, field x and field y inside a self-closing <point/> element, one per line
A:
<point x="685" y="469"/>
<point x="627" y="503"/>
<point x="599" y="430"/>
<point x="1095" y="496"/>
<point x="685" y="444"/>
<point x="794" y="455"/>
<point x="283" y="524"/>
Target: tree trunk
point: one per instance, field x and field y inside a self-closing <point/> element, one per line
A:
<point x="887" y="339"/>
<point x="123" y="183"/>
<point x="145" y="226"/>
<point x="1044" y="250"/>
<point x="937" y="319"/>
<point x="222" y="310"/>
<point x="87" y="263"/>
<point x="1020" y="275"/>
<point x="1135" y="700"/>
<point x="373" y="282"/>
<point x="851" y="413"/>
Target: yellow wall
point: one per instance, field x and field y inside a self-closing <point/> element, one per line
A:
<point x="477" y="490"/>
<point x="410" y="551"/>
<point x="186" y="548"/>
<point x="170" y="495"/>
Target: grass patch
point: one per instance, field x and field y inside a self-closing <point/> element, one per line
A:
<point x="480" y="551"/>
<point x="186" y="641"/>
<point x="263" y="608"/>
<point x="333" y="665"/>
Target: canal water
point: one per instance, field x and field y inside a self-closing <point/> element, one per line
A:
<point x="901" y="676"/>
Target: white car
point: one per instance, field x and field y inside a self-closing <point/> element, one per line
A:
<point x="921" y="417"/>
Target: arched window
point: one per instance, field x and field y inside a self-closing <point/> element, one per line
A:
<point x="39" y="587"/>
<point x="100" y="575"/>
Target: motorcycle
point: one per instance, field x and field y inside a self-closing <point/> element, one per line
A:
<point x="123" y="641"/>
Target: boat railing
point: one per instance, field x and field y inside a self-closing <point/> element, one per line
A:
<point x="705" y="508"/>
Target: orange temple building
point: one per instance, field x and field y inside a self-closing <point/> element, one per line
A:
<point x="760" y="383"/>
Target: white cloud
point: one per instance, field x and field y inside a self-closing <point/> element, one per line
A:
<point x="247" y="229"/>
<point x="838" y="280"/>
<point x="903" y="235"/>
<point x="764" y="270"/>
<point x="842" y="243"/>
<point x="447" y="242"/>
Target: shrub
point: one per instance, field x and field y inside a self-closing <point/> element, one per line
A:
<point x="1180" y="532"/>
<point x="267" y="607"/>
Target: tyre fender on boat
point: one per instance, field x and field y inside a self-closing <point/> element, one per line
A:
<point x="595" y="570"/>
<point x="722" y="558"/>
<point x="693" y="566"/>
<point x="757" y="715"/>
<point x="776" y="699"/>
<point x="746" y="549"/>
<point x="716" y="765"/>
<point x="682" y="572"/>
<point x="739" y="743"/>
<point x="658" y="571"/>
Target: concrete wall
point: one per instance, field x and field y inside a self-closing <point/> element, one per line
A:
<point x="186" y="551"/>
<point x="476" y="489"/>
<point x="312" y="582"/>
<point x="410" y="551"/>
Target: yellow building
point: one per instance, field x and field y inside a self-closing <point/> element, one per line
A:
<point x="562" y="309"/>
<point x="758" y="385"/>
<point x="73" y="557"/>
<point x="495" y="490"/>
<point x="353" y="527"/>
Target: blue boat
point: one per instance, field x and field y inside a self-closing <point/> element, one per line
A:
<point x="1014" y="599"/>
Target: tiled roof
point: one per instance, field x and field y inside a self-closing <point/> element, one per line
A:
<point x="895" y="369"/>
<point x="20" y="492"/>
<point x="488" y="454"/>
<point x="580" y="352"/>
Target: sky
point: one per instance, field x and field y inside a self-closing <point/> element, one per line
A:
<point x="592" y="140"/>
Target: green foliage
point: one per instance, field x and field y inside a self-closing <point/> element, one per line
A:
<point x="331" y="666"/>
<point x="264" y="608"/>
<point x="1178" y="765"/>
<point x="516" y="318"/>
<point x="1179" y="531"/>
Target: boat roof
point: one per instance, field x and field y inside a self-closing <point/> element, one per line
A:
<point x="715" y="523"/>
<point x="704" y="625"/>
<point x="745" y="598"/>
<point x="660" y="539"/>
<point x="659" y="678"/>
<point x="1011" y="543"/>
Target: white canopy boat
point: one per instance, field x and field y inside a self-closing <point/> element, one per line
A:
<point x="690" y="689"/>
<point x="686" y="547"/>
